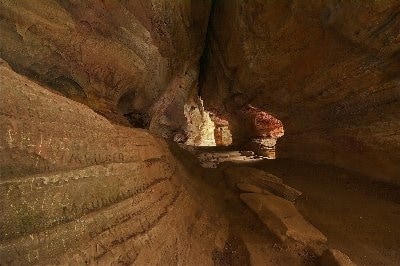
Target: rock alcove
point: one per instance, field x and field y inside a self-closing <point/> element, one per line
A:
<point x="112" y="114"/>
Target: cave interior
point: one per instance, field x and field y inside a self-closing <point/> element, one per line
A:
<point x="199" y="132"/>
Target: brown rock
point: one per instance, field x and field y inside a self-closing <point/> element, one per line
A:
<point x="282" y="218"/>
<point x="252" y="188"/>
<point x="247" y="153"/>
<point x="77" y="189"/>
<point x="118" y="57"/>
<point x="250" y="173"/>
<point x="334" y="257"/>
<point x="283" y="191"/>
<point x="328" y="70"/>
<point x="263" y="180"/>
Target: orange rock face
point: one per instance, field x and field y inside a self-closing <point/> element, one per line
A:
<point x="263" y="124"/>
<point x="79" y="185"/>
<point x="76" y="189"/>
<point x="328" y="70"/>
<point x="117" y="57"/>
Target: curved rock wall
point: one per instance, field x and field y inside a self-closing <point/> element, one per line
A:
<point x="76" y="189"/>
<point x="329" y="70"/>
<point x="101" y="53"/>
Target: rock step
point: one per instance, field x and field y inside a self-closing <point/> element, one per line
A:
<point x="264" y="180"/>
<point x="252" y="189"/>
<point x="334" y="257"/>
<point x="283" y="219"/>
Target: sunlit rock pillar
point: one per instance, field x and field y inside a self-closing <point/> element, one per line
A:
<point x="200" y="127"/>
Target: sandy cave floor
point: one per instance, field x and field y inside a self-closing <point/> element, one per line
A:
<point x="360" y="218"/>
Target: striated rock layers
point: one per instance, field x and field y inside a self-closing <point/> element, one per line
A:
<point x="76" y="189"/>
<point x="133" y="58"/>
<point x="79" y="188"/>
<point x="329" y="70"/>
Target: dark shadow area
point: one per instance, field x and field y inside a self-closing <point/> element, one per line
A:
<point x="136" y="118"/>
<point x="358" y="216"/>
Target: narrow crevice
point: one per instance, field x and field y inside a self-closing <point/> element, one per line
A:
<point x="204" y="58"/>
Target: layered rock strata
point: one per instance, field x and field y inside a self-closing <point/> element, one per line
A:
<point x="77" y="189"/>
<point x="117" y="57"/>
<point x="328" y="70"/>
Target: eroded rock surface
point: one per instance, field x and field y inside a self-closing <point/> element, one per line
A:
<point x="77" y="189"/>
<point x="118" y="57"/>
<point x="334" y="257"/>
<point x="328" y="70"/>
<point x="263" y="180"/>
<point x="283" y="219"/>
<point x="252" y="188"/>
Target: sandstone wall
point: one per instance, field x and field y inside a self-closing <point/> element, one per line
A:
<point x="76" y="189"/>
<point x="328" y="70"/>
<point x="117" y="57"/>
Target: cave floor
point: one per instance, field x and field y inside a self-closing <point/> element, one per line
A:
<point x="211" y="156"/>
<point x="359" y="218"/>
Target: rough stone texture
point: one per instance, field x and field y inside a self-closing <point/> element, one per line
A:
<point x="263" y="180"/>
<point x="118" y="57"/>
<point x="334" y="257"/>
<point x="200" y="127"/>
<point x="250" y="174"/>
<point x="259" y="123"/>
<point x="283" y="219"/>
<point x="329" y="70"/>
<point x="77" y="189"/>
<point x="252" y="188"/>
<point x="222" y="133"/>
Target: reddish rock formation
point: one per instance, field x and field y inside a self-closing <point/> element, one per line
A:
<point x="328" y="70"/>
<point x="79" y="185"/>
<point x="77" y="189"/>
<point x="222" y="134"/>
<point x="262" y="124"/>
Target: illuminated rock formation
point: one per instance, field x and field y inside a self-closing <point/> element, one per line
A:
<point x="77" y="189"/>
<point x="200" y="127"/>
<point x="222" y="133"/>
<point x="328" y="70"/>
<point x="93" y="94"/>
<point x="117" y="57"/>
